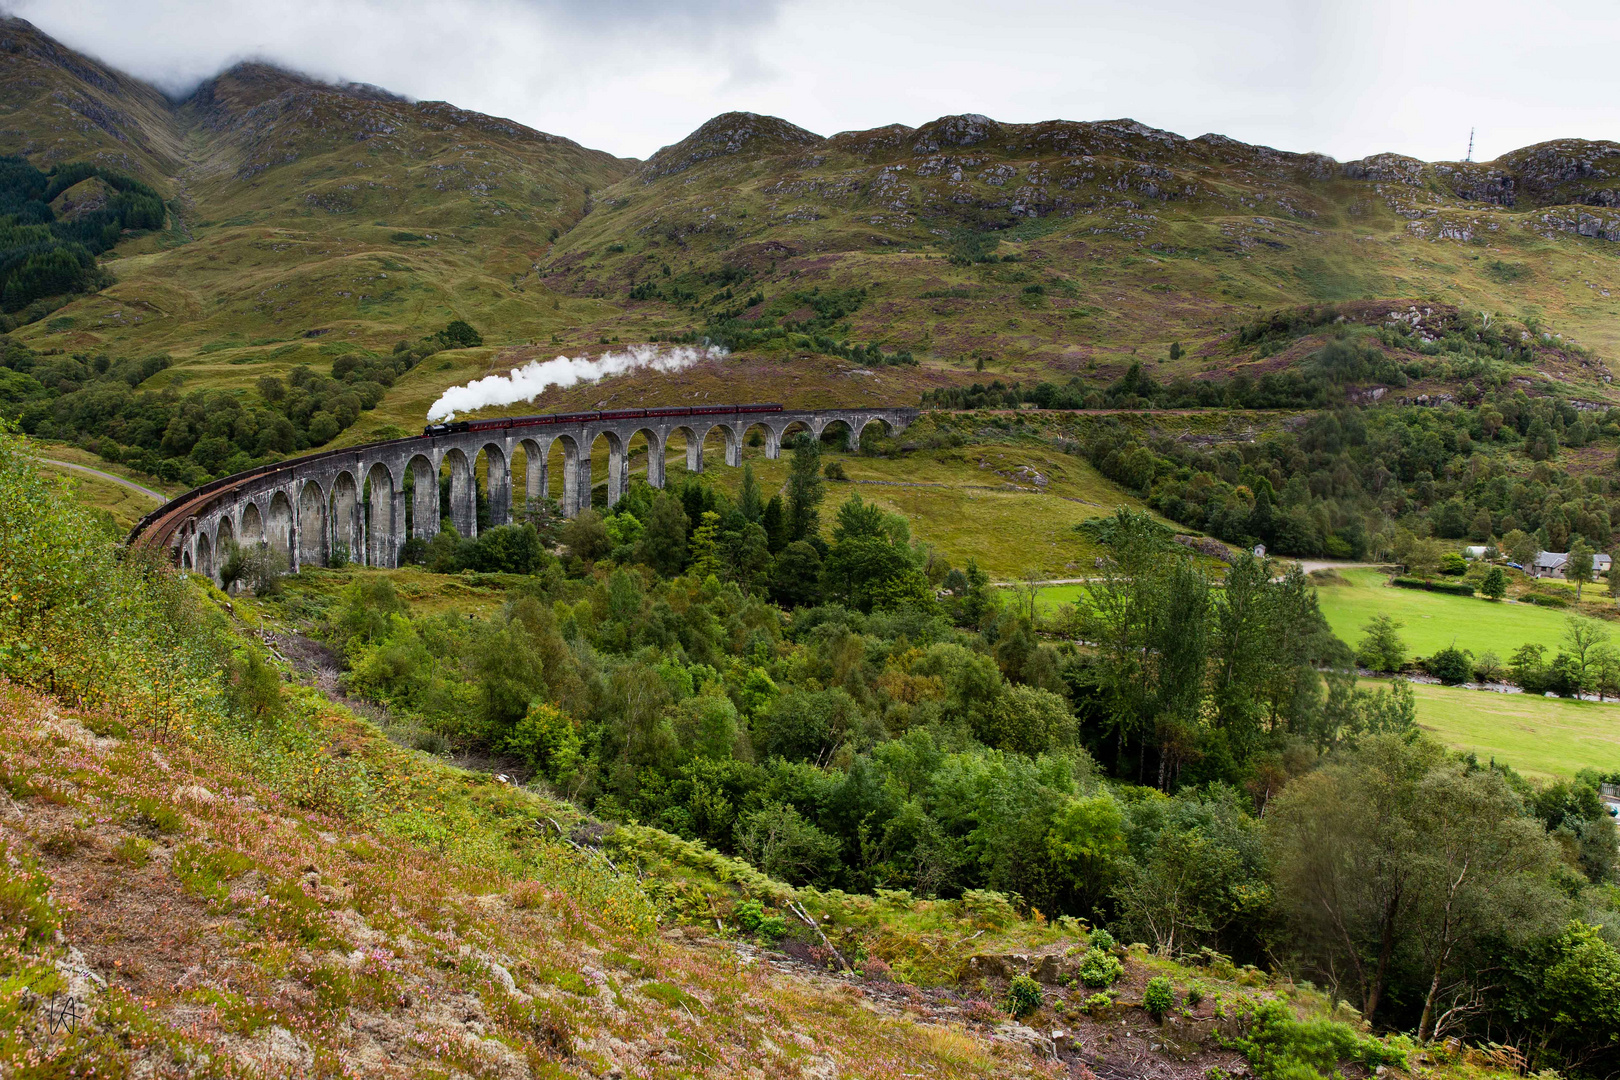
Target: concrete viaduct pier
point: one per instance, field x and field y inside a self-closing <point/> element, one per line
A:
<point x="355" y="499"/>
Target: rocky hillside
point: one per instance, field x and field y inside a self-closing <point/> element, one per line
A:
<point x="296" y="205"/>
<point x="59" y="105"/>
<point x="1123" y="239"/>
<point x="307" y="219"/>
<point x="282" y="146"/>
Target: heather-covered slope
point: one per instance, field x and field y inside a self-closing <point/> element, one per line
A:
<point x="299" y="206"/>
<point x="1123" y="239"/>
<point x="309" y="220"/>
<point x="57" y="105"/>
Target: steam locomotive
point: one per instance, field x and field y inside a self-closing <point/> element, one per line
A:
<point x="459" y="426"/>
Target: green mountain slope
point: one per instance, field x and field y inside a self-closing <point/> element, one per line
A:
<point x="299" y="206"/>
<point x="57" y="105"/>
<point x="1126" y="239"/>
<point x="308" y="220"/>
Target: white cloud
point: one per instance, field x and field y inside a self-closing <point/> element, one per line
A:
<point x="1344" y="78"/>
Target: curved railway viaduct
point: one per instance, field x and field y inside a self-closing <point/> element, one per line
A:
<point x="355" y="499"/>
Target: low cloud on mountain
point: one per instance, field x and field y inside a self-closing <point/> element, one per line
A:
<point x="628" y="76"/>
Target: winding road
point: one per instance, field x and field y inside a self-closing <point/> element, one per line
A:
<point x="119" y="480"/>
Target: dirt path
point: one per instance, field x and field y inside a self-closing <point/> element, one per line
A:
<point x="119" y="480"/>
<point x="1309" y="565"/>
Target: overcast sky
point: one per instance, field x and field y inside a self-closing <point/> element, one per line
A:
<point x="1343" y="77"/>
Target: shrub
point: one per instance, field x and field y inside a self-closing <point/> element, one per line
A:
<point x="61" y="844"/>
<point x="750" y="915"/>
<point x="1097" y="1003"/>
<point x="153" y="816"/>
<point x="1450" y="588"/>
<point x="1023" y="996"/>
<point x="1158" y="998"/>
<point x="1100" y="969"/>
<point x="777" y="840"/>
<point x="1281" y="1047"/>
<point x="1451" y="665"/>
<point x="982" y="1012"/>
<point x="876" y="970"/>
<point x="546" y="739"/>
<point x="1101" y="939"/>
<point x="133" y="851"/>
<point x="111" y="629"/>
<point x="1195" y="995"/>
<point x="460" y="335"/>
<point x="508" y="549"/>
<point x="1494" y="584"/>
<point x="25" y="902"/>
<point x="1453" y="563"/>
<point x="1542" y="600"/>
<point x="431" y="742"/>
<point x="987" y="909"/>
<point x="254" y="689"/>
<point x="834" y="470"/>
<point x="1382" y="648"/>
<point x="258" y="566"/>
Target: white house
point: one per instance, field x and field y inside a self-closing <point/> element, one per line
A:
<point x="1555" y="564"/>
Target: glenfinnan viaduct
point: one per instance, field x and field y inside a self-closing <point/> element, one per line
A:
<point x="354" y="499"/>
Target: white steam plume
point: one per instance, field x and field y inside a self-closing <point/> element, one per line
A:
<point x="534" y="378"/>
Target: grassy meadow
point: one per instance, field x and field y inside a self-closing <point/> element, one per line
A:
<point x="1055" y="596"/>
<point x="975" y="502"/>
<point x="75" y="455"/>
<point x="1432" y="621"/>
<point x="1538" y="736"/>
<point x="125" y="505"/>
<point x="1012" y="506"/>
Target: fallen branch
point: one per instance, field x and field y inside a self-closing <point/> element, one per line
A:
<point x="591" y="851"/>
<point x="808" y="921"/>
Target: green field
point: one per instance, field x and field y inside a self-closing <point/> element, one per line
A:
<point x="1538" y="736"/>
<point x="976" y="502"/>
<point x="1055" y="596"/>
<point x="1433" y="621"/>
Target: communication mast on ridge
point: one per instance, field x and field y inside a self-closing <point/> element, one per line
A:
<point x="1470" y="156"/>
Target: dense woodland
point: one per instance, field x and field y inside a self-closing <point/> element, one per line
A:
<point x="45" y="255"/>
<point x="115" y="408"/>
<point x="851" y="713"/>
<point x="1348" y="482"/>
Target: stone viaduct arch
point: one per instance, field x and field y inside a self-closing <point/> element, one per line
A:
<point x="354" y="500"/>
